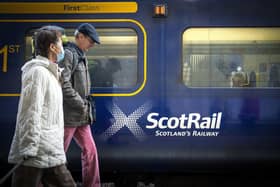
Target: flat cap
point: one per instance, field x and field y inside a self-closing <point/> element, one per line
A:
<point x="89" y="30"/>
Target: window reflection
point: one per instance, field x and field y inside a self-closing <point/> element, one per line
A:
<point x="231" y="57"/>
<point x="113" y="63"/>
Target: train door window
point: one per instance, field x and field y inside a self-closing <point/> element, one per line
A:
<point x="113" y="64"/>
<point x="231" y="57"/>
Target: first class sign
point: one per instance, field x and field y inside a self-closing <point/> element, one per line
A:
<point x="68" y="8"/>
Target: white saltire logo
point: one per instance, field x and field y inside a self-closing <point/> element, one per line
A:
<point x="130" y="121"/>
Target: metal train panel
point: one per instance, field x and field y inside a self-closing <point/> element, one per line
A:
<point x="172" y="104"/>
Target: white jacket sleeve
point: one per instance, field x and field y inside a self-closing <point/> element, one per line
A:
<point x="30" y="110"/>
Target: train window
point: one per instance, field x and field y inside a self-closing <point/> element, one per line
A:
<point x="113" y="64"/>
<point x="231" y="57"/>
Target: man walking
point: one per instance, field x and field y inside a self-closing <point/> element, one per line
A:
<point x="77" y="104"/>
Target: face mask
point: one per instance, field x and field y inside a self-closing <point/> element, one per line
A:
<point x="60" y="56"/>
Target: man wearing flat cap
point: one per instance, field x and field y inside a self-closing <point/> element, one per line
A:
<point x="78" y="109"/>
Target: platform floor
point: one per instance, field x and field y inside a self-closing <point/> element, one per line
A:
<point x="194" y="180"/>
<point x="231" y="179"/>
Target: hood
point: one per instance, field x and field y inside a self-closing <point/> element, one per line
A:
<point x="38" y="61"/>
<point x="74" y="46"/>
<point x="44" y="62"/>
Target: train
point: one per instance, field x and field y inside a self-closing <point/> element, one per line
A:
<point x="179" y="86"/>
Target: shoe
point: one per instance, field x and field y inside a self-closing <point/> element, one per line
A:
<point x="79" y="184"/>
<point x="141" y="184"/>
<point x="108" y="184"/>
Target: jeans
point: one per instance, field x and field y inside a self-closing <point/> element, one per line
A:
<point x="90" y="167"/>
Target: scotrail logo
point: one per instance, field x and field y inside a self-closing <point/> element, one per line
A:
<point x="193" y="124"/>
<point x="130" y="121"/>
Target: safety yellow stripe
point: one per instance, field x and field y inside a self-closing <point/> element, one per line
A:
<point x="8" y="94"/>
<point x="68" y="8"/>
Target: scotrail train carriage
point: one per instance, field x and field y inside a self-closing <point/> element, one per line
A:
<point x="179" y="86"/>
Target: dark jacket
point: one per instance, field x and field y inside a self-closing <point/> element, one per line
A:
<point x="76" y="87"/>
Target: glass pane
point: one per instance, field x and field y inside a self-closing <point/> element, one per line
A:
<point x="231" y="57"/>
<point x="113" y="63"/>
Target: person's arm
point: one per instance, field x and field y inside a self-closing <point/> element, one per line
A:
<point x="30" y="112"/>
<point x="69" y="93"/>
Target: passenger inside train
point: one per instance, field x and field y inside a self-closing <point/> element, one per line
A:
<point x="104" y="72"/>
<point x="239" y="78"/>
<point x="274" y="79"/>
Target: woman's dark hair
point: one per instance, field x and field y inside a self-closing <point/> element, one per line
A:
<point x="43" y="38"/>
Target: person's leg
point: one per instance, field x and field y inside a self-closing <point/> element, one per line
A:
<point x="26" y="176"/>
<point x="58" y="176"/>
<point x="90" y="166"/>
<point x="68" y="134"/>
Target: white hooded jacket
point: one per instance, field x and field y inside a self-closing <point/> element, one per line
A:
<point x="40" y="124"/>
